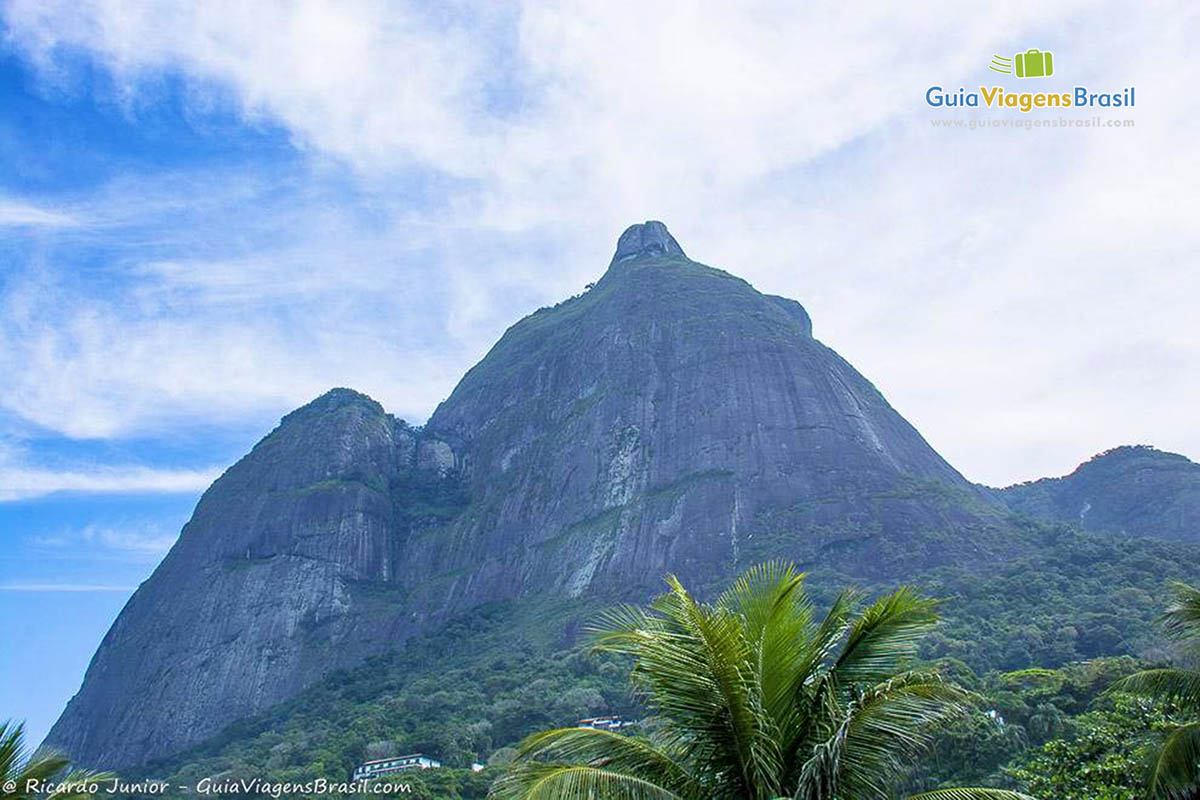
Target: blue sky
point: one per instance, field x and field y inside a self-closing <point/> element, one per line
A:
<point x="211" y="213"/>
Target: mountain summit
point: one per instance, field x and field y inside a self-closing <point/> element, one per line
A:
<point x="648" y="238"/>
<point x="1136" y="491"/>
<point x="671" y="418"/>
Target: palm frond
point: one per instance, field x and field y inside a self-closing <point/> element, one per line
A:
<point x="754" y="695"/>
<point x="820" y="775"/>
<point x="969" y="794"/>
<point x="892" y="724"/>
<point x="761" y="592"/>
<point x="622" y="629"/>
<point x="1175" y="773"/>
<point x="810" y="744"/>
<point x="1181" y="620"/>
<point x="735" y="732"/>
<point x="825" y="639"/>
<point x="536" y="781"/>
<point x="21" y="769"/>
<point x="616" y="752"/>
<point x="1177" y="685"/>
<point x="884" y="639"/>
<point x="11" y="750"/>
<point x="880" y="731"/>
<point x="777" y="621"/>
<point x="692" y="665"/>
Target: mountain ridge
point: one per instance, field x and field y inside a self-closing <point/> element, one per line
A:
<point x="670" y="419"/>
<point x="1133" y="489"/>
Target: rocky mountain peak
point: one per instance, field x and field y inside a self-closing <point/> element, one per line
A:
<point x="648" y="238"/>
<point x="335" y="400"/>
<point x="673" y="420"/>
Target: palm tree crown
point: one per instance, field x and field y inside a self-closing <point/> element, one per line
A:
<point x="1175" y="771"/>
<point x="23" y="776"/>
<point x="755" y="698"/>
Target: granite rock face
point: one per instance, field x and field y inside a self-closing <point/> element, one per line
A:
<point x="672" y="418"/>
<point x="254" y="601"/>
<point x="647" y="239"/>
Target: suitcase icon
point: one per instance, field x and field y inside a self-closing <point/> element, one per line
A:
<point x="1035" y="64"/>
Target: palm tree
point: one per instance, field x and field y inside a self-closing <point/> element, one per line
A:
<point x="1175" y="770"/>
<point x="756" y="699"/>
<point x="21" y="774"/>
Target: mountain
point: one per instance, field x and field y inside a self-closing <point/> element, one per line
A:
<point x="1138" y="491"/>
<point x="671" y="418"/>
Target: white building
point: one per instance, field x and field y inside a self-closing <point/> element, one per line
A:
<point x="388" y="766"/>
<point x="602" y="723"/>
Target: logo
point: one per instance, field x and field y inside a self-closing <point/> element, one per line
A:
<point x="1033" y="63"/>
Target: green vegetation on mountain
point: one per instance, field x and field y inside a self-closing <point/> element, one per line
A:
<point x="467" y="694"/>
<point x="1138" y="491"/>
<point x="1075" y="596"/>
<point x="1101" y="755"/>
<point x="1039" y="640"/>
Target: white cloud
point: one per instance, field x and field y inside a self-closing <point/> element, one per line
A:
<point x="369" y="81"/>
<point x="594" y="104"/>
<point x="1023" y="297"/>
<point x="18" y="214"/>
<point x="318" y="299"/>
<point x="144" y="540"/>
<point x="22" y="483"/>
<point x="136" y="541"/>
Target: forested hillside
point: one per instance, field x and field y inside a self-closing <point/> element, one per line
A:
<point x="1039" y="639"/>
<point x="1138" y="491"/>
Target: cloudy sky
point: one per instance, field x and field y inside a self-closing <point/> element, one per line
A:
<point x="211" y="213"/>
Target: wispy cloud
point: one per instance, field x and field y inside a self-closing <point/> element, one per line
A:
<point x="63" y="587"/>
<point x="281" y="316"/>
<point x="136" y="540"/>
<point x="23" y="483"/>
<point x="18" y="214"/>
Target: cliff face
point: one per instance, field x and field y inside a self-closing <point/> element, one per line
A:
<point x="671" y="418"/>
<point x="1139" y="491"/>
<point x="675" y="418"/>
<point x="255" y="601"/>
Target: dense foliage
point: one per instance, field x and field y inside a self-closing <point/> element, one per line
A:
<point x="1015" y="712"/>
<point x="465" y="695"/>
<point x="1175" y="770"/>
<point x="1079" y="596"/>
<point x="1136" y="490"/>
<point x="475" y="690"/>
<point x="1101" y="756"/>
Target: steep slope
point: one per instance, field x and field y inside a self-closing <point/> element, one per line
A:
<point x="672" y="418"/>
<point x="675" y="418"/>
<point x="255" y="600"/>
<point x="1139" y="491"/>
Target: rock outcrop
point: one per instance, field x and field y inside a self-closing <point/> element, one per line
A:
<point x="671" y="418"/>
<point x="647" y="239"/>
